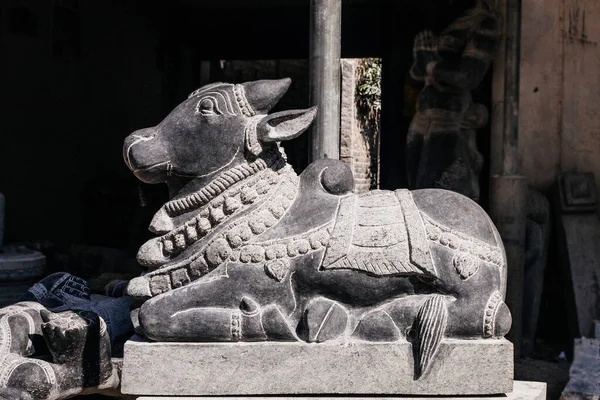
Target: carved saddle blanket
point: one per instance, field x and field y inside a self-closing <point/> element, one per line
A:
<point x="380" y="233"/>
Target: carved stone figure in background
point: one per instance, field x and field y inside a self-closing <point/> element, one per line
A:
<point x="462" y="175"/>
<point x="537" y="239"/>
<point x="246" y="250"/>
<point x="439" y="153"/>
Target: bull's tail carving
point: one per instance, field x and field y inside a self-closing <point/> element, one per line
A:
<point x="430" y="326"/>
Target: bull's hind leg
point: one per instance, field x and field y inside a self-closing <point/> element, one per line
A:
<point x="469" y="261"/>
<point x="478" y="311"/>
<point x="471" y="311"/>
<point x="481" y="318"/>
<point x="433" y="317"/>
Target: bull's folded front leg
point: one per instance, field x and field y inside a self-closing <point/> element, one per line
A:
<point x="248" y="322"/>
<point x="242" y="304"/>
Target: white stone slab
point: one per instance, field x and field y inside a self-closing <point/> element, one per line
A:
<point x="462" y="367"/>
<point x="521" y="391"/>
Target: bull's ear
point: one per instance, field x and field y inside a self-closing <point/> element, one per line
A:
<point x="264" y="94"/>
<point x="285" y="125"/>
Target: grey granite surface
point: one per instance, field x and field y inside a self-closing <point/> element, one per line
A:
<point x="469" y="367"/>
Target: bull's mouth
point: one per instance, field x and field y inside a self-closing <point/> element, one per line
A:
<point x="151" y="167"/>
<point x="153" y="173"/>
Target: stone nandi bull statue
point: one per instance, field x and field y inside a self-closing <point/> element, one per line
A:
<point x="246" y="250"/>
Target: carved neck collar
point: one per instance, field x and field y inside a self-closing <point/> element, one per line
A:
<point x="270" y="158"/>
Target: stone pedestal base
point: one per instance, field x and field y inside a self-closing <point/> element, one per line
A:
<point x="462" y="367"/>
<point x="521" y="391"/>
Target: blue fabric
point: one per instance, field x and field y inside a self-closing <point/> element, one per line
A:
<point x="62" y="291"/>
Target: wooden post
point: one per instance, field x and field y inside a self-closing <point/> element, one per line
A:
<point x="324" y="81"/>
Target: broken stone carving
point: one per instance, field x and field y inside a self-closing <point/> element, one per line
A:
<point x="584" y="374"/>
<point x="536" y="255"/>
<point x="441" y="150"/>
<point x="247" y="250"/>
<point x="57" y="341"/>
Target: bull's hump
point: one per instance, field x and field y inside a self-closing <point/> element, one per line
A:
<point x="457" y="212"/>
<point x="322" y="185"/>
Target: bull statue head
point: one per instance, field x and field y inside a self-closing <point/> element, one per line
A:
<point x="217" y="127"/>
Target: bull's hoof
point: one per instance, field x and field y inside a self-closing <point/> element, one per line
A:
<point x="139" y="288"/>
<point x="275" y="325"/>
<point x="377" y="326"/>
<point x="323" y="320"/>
<point x="503" y="321"/>
<point x="496" y="319"/>
<point x="251" y="327"/>
<point x="263" y="323"/>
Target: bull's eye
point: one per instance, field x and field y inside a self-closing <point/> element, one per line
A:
<point x="206" y="107"/>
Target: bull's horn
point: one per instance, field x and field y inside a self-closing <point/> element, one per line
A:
<point x="264" y="94"/>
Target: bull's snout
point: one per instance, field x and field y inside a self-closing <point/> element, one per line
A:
<point x="134" y="158"/>
<point x="144" y="154"/>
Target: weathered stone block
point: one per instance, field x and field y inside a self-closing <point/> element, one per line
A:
<point x="464" y="367"/>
